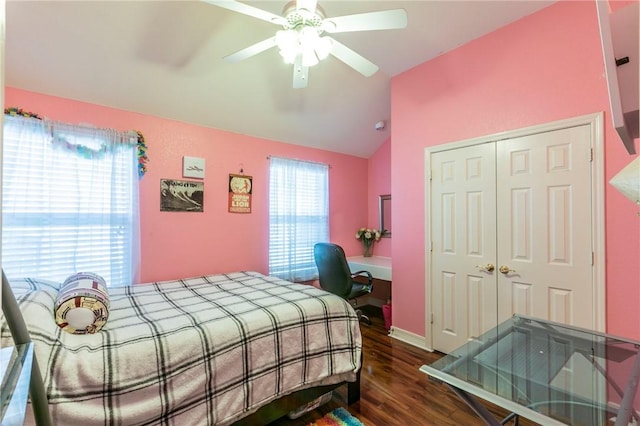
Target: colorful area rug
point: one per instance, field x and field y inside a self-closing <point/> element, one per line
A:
<point x="338" y="417"/>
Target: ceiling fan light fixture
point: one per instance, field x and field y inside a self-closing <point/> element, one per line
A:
<point x="304" y="41"/>
<point x="307" y="36"/>
<point x="288" y="57"/>
<point x="287" y="42"/>
<point x="309" y="58"/>
<point x="323" y="47"/>
<point x="287" y="39"/>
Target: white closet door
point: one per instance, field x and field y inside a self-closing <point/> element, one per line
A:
<point x="544" y="226"/>
<point x="463" y="232"/>
<point x="544" y="235"/>
<point x="523" y="204"/>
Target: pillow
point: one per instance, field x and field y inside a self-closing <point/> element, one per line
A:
<point x="82" y="305"/>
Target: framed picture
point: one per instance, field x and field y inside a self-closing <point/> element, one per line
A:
<point x="181" y="196"/>
<point x="193" y="167"/>
<point x="240" y="188"/>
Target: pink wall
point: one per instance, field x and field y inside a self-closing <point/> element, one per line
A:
<point x="530" y="72"/>
<point x="186" y="244"/>
<point x="379" y="184"/>
<point x="545" y="67"/>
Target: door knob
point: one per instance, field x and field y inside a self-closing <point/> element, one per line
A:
<point x="488" y="267"/>
<point x="505" y="269"/>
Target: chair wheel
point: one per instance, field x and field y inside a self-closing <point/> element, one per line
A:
<point x="363" y="317"/>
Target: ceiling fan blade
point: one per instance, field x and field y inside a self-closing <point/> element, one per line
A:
<point x="309" y="5"/>
<point x="383" y="20"/>
<point x="248" y="10"/>
<point x="300" y="74"/>
<point x="353" y="59"/>
<point x="254" y="49"/>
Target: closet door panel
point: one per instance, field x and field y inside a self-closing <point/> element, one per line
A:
<point x="463" y="238"/>
<point x="544" y="236"/>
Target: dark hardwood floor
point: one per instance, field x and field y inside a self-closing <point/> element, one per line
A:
<point x="394" y="391"/>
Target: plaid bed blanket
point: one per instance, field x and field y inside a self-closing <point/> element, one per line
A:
<point x="199" y="351"/>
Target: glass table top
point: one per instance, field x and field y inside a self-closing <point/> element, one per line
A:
<point x="15" y="374"/>
<point x="548" y="372"/>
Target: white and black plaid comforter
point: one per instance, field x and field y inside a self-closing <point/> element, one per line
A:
<point x="200" y="351"/>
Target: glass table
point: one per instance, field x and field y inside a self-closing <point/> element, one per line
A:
<point x="548" y="372"/>
<point x="15" y="375"/>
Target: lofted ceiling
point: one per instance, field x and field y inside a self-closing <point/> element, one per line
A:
<point x="164" y="58"/>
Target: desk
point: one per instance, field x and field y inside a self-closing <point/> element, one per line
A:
<point x="550" y="373"/>
<point x="380" y="267"/>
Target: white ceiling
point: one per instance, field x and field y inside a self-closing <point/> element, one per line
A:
<point x="164" y="58"/>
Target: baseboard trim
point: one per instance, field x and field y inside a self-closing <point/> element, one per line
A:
<point x="409" y="337"/>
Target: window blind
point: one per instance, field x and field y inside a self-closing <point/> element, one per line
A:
<point x="68" y="204"/>
<point x="298" y="216"/>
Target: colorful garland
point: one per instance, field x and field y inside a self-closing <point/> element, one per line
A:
<point x="83" y="150"/>
<point x="142" y="155"/>
<point x="19" y="111"/>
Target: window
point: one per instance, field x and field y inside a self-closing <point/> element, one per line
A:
<point x="69" y="201"/>
<point x="298" y="216"/>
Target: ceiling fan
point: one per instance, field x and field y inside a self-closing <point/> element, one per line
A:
<point x="301" y="41"/>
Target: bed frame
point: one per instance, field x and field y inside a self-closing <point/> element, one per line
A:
<point x="283" y="406"/>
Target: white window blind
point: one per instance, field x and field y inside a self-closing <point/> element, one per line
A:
<point x="298" y="216"/>
<point x="69" y="201"/>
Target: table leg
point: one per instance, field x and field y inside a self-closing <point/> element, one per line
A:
<point x="626" y="406"/>
<point x="477" y="408"/>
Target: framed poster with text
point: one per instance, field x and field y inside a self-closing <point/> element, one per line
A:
<point x="181" y="196"/>
<point x="240" y="187"/>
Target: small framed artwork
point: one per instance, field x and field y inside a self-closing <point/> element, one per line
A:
<point x="193" y="167"/>
<point x="240" y="189"/>
<point x="181" y="196"/>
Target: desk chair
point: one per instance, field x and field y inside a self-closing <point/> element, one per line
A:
<point x="336" y="277"/>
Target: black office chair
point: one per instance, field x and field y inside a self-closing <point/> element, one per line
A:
<point x="336" y="277"/>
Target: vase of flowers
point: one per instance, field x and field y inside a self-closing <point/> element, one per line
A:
<point x="368" y="236"/>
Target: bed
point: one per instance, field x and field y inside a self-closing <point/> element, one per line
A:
<point x="209" y="350"/>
